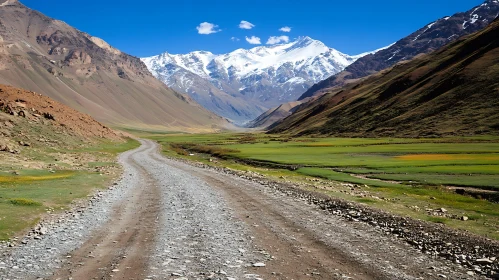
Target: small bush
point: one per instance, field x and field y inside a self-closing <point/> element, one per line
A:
<point x="178" y="149"/>
<point x="25" y="202"/>
<point x="248" y="139"/>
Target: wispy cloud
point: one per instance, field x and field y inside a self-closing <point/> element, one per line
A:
<point x="285" y="29"/>
<point x="254" y="40"/>
<point x="234" y="39"/>
<point x="246" y="25"/>
<point x="206" y="28"/>
<point x="277" y="39"/>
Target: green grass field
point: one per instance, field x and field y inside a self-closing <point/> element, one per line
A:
<point x="27" y="195"/>
<point x="470" y="162"/>
<point x="410" y="171"/>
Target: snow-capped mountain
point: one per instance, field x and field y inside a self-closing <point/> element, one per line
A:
<point x="242" y="84"/>
<point x="430" y="37"/>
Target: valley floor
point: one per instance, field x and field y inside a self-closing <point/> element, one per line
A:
<point x="168" y="220"/>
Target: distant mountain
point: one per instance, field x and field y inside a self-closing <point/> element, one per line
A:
<point x="273" y="115"/>
<point x="244" y="83"/>
<point x="453" y="91"/>
<point x="52" y="58"/>
<point x="427" y="39"/>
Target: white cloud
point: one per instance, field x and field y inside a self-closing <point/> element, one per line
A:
<point x="285" y="29"/>
<point x="253" y="40"/>
<point x="206" y="28"/>
<point x="246" y="25"/>
<point x="277" y="39"/>
<point x="234" y="39"/>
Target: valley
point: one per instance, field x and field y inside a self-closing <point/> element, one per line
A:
<point x="249" y="150"/>
<point x="244" y="83"/>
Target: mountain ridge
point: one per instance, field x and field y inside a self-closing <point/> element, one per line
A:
<point x="48" y="56"/>
<point x="429" y="38"/>
<point x="453" y="91"/>
<point x="265" y="76"/>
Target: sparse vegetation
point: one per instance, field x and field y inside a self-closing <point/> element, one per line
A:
<point x="28" y="194"/>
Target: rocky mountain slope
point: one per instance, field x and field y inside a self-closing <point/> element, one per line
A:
<point x="32" y="124"/>
<point x="37" y="108"/>
<point x="244" y="83"/>
<point x="425" y="40"/>
<point x="50" y="57"/>
<point x="453" y="91"/>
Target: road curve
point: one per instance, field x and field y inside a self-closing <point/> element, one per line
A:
<point x="168" y="220"/>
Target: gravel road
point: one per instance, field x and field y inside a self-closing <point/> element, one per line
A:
<point x="168" y="220"/>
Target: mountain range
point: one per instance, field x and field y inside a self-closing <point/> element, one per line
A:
<point x="242" y="84"/>
<point x="48" y="56"/>
<point x="452" y="91"/>
<point x="428" y="38"/>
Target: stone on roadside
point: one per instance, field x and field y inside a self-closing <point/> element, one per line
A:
<point x="484" y="261"/>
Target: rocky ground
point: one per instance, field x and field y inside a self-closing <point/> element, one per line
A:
<point x="169" y="220"/>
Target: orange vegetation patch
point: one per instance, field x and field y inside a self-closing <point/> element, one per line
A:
<point x="445" y="157"/>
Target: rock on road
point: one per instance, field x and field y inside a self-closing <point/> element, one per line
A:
<point x="169" y="220"/>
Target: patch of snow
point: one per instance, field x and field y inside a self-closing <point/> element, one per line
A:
<point x="394" y="54"/>
<point x="296" y="80"/>
<point x="446" y="18"/>
<point x="464" y="24"/>
<point x="474" y="18"/>
<point x="372" y="52"/>
<point x="477" y="8"/>
<point x="430" y="25"/>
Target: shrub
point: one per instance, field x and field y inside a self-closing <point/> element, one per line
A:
<point x="24" y="202"/>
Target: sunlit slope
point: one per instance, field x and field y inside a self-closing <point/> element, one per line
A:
<point x="454" y="91"/>
<point x="52" y="58"/>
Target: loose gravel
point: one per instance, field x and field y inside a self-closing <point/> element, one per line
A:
<point x="199" y="238"/>
<point x="44" y="253"/>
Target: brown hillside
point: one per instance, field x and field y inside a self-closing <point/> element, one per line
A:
<point x="37" y="108"/>
<point x="454" y="91"/>
<point x="52" y="58"/>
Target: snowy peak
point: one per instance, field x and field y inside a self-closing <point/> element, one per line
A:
<point x="245" y="62"/>
<point x="264" y="75"/>
<point x="307" y="42"/>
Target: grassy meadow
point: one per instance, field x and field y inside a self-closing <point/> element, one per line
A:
<point x="410" y="175"/>
<point x="27" y="193"/>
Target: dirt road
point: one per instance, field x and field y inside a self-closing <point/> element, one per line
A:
<point x="170" y="220"/>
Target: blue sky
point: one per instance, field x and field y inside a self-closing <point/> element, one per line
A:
<point x="149" y="27"/>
